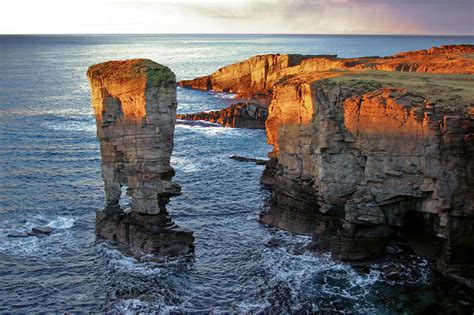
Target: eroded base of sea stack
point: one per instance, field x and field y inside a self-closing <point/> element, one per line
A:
<point x="154" y="234"/>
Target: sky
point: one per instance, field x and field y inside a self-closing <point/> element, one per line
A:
<point x="414" y="17"/>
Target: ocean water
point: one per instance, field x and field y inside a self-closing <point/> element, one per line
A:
<point x="50" y="175"/>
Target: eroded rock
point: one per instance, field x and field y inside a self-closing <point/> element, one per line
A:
<point x="241" y="115"/>
<point x="135" y="108"/>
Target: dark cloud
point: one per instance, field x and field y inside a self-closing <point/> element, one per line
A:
<point x="364" y="16"/>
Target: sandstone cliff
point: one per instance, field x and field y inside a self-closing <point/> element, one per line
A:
<point x="241" y="115"/>
<point x="362" y="155"/>
<point x="135" y="108"/>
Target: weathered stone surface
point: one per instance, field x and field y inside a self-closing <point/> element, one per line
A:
<point x="135" y="108"/>
<point x="252" y="78"/>
<point x="155" y="234"/>
<point x="241" y="115"/>
<point x="369" y="153"/>
<point x="360" y="155"/>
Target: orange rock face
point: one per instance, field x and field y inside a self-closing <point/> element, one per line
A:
<point x="128" y="81"/>
<point x="252" y="78"/>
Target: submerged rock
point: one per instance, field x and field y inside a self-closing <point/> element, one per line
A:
<point x="359" y="155"/>
<point x="246" y="159"/>
<point x="18" y="234"/>
<point x="38" y="231"/>
<point x="42" y="230"/>
<point x="241" y="115"/>
<point x="135" y="108"/>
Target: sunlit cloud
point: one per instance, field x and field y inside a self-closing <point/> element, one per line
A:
<point x="221" y="16"/>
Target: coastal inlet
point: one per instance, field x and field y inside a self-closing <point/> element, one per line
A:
<point x="50" y="176"/>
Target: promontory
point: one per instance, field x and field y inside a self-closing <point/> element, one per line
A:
<point x="368" y="150"/>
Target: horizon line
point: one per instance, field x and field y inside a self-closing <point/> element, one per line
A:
<point x="264" y="34"/>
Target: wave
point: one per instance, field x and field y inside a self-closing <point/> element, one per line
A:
<point x="30" y="246"/>
<point x="70" y="123"/>
<point x="197" y="123"/>
<point x="223" y="95"/>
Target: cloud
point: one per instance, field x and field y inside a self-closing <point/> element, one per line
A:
<point x="239" y="16"/>
<point x="345" y="16"/>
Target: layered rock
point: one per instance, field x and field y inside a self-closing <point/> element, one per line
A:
<point x="252" y="78"/>
<point x="241" y="115"/>
<point x="135" y="108"/>
<point x="360" y="156"/>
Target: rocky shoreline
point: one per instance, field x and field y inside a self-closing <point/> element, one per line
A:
<point x="368" y="148"/>
<point x="240" y="115"/>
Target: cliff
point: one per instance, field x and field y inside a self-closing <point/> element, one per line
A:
<point x="363" y="156"/>
<point x="241" y="115"/>
<point x="256" y="77"/>
<point x="135" y="108"/>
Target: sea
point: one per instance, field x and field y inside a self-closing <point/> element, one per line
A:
<point x="50" y="176"/>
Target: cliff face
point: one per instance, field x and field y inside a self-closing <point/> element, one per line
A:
<point x="135" y="108"/>
<point x="241" y="115"/>
<point x="252" y="78"/>
<point x="362" y="156"/>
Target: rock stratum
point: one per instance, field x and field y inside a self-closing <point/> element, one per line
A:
<point x="369" y="150"/>
<point x="135" y="108"/>
<point x="240" y="115"/>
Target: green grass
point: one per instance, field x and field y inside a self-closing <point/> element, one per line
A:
<point x="455" y="91"/>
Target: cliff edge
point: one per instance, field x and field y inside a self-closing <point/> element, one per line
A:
<point x="368" y="150"/>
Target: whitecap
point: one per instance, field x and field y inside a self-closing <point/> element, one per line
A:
<point x="223" y="95"/>
<point x="197" y="123"/>
<point x="61" y="223"/>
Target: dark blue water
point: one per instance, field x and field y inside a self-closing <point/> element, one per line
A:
<point x="50" y="175"/>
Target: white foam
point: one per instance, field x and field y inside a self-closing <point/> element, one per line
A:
<point x="128" y="264"/>
<point x="61" y="223"/>
<point x="223" y="95"/>
<point x="298" y="272"/>
<point x="197" y="123"/>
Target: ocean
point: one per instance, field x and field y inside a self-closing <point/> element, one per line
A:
<point x="50" y="175"/>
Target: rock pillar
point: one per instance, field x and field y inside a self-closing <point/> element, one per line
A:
<point x="135" y="109"/>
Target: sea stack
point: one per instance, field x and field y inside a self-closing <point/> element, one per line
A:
<point x="135" y="109"/>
